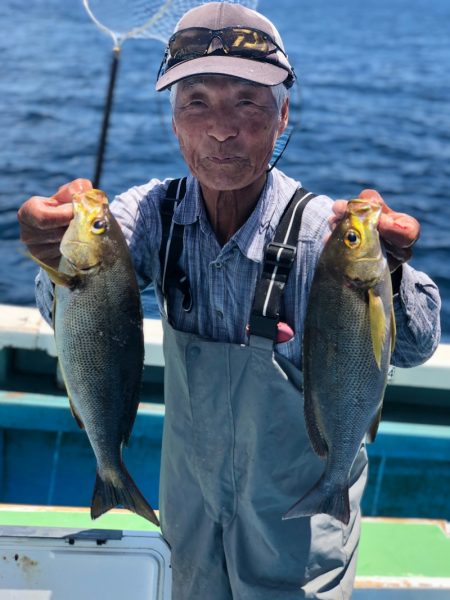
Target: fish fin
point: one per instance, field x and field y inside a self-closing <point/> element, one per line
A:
<point x="320" y="501"/>
<point x="377" y="325"/>
<point x="372" y="432"/>
<point x="393" y="329"/>
<point x="56" y="276"/>
<point x="315" y="437"/>
<point x="109" y="493"/>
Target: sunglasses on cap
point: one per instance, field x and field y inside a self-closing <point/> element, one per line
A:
<point x="195" y="42"/>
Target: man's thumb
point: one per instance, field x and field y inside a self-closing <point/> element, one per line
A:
<point x="66" y="191"/>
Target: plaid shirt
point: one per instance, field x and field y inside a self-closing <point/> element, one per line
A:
<point x="223" y="279"/>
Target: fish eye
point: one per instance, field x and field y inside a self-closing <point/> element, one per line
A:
<point x="99" y="226"/>
<point x="352" y="239"/>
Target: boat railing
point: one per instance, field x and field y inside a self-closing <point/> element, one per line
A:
<point x="24" y="328"/>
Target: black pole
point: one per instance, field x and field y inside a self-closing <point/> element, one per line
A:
<point x="106" y="115"/>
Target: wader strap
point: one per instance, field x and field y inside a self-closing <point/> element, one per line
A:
<point x="172" y="244"/>
<point x="279" y="257"/>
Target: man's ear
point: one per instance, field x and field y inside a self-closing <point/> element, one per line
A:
<point x="284" y="116"/>
<point x="174" y="127"/>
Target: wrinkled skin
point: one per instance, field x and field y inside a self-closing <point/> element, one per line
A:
<point x="227" y="130"/>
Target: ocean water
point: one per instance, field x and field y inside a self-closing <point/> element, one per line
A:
<point x="372" y="109"/>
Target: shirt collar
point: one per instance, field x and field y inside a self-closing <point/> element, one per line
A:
<point x="259" y="228"/>
<point x="187" y="213"/>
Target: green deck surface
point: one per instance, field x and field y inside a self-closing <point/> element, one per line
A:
<point x="404" y="549"/>
<point x="387" y="548"/>
<point x="73" y="519"/>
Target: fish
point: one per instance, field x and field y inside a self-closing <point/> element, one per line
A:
<point x="348" y="339"/>
<point x="98" y="327"/>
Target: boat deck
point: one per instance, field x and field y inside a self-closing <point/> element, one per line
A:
<point x="397" y="558"/>
<point x="405" y="543"/>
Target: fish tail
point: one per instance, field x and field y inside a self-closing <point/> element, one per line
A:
<point x="335" y="503"/>
<point x="110" y="492"/>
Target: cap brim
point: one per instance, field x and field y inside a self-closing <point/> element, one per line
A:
<point x="261" y="72"/>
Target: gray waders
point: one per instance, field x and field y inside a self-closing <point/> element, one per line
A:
<point x="236" y="456"/>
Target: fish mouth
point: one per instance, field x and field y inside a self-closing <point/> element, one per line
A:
<point x="84" y="270"/>
<point x="369" y="259"/>
<point x="90" y="268"/>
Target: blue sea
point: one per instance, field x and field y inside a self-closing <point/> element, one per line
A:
<point x="372" y="109"/>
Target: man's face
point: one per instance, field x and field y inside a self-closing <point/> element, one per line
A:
<point x="226" y="129"/>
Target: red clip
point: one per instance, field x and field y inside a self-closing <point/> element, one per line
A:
<point x="284" y="334"/>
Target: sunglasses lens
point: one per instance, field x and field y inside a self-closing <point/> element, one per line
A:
<point x="245" y="42"/>
<point x="189" y="43"/>
<point x="238" y="41"/>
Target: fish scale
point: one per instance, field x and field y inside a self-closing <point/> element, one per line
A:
<point x="99" y="339"/>
<point x="99" y="364"/>
<point x="348" y="337"/>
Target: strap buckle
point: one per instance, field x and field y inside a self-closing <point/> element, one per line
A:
<point x="285" y="258"/>
<point x="263" y="326"/>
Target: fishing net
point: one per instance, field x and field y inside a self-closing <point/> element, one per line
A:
<point x="123" y="19"/>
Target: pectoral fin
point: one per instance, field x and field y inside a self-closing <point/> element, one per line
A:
<point x="56" y="276"/>
<point x="393" y="330"/>
<point x="377" y="325"/>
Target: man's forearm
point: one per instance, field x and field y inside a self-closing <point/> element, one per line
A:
<point x="417" y="315"/>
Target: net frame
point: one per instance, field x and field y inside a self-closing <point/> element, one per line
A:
<point x="143" y="19"/>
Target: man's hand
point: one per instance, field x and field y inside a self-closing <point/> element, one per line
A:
<point x="43" y="221"/>
<point x="399" y="231"/>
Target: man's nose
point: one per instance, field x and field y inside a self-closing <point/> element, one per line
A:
<point x="222" y="126"/>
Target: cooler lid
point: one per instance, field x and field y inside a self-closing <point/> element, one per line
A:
<point x="40" y="563"/>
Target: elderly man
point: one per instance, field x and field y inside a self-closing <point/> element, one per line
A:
<point x="236" y="455"/>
